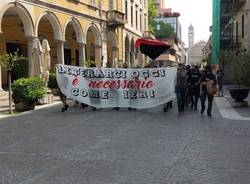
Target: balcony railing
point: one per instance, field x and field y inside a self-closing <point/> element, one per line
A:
<point x="115" y="18"/>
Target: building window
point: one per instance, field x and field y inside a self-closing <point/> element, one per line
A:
<point x="242" y="26"/>
<point x="237" y="32"/>
<point x="136" y="17"/>
<point x="140" y="20"/>
<point x="126" y="10"/>
<point x="145" y="22"/>
<point x="132" y="16"/>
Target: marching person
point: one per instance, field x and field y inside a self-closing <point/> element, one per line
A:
<point x="180" y="87"/>
<point x="207" y="79"/>
<point x="63" y="98"/>
<point x="93" y="65"/>
<point x="194" y="78"/>
<point x="219" y="75"/>
<point x="188" y="91"/>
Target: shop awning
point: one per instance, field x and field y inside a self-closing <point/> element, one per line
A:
<point x="152" y="48"/>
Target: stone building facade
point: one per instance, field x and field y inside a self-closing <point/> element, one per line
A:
<point x="195" y="53"/>
<point x="136" y="26"/>
<point x="77" y="30"/>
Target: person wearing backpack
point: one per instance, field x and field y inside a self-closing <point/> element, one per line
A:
<point x="208" y="85"/>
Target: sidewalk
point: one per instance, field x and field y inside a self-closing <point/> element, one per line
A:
<point x="226" y="109"/>
<point x="223" y="104"/>
<point x="4" y="103"/>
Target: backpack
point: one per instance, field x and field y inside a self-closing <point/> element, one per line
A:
<point x="211" y="88"/>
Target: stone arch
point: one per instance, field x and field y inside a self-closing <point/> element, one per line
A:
<point x="112" y="49"/>
<point x="93" y="27"/>
<point x="80" y="38"/>
<point x="55" y="23"/>
<point x="94" y="45"/>
<point x="25" y="17"/>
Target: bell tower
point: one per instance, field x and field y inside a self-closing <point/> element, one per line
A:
<point x="190" y="36"/>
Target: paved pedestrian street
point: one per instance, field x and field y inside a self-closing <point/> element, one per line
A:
<point x="123" y="147"/>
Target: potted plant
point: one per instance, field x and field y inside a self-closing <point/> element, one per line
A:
<point x="52" y="84"/>
<point x="10" y="62"/>
<point x="26" y="92"/>
<point x="241" y="68"/>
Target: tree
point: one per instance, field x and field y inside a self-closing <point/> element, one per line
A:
<point x="240" y="61"/>
<point x="8" y="61"/>
<point x="207" y="59"/>
<point x="152" y="13"/>
<point x="165" y="31"/>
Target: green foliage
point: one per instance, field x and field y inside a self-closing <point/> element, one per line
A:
<point x="28" y="90"/>
<point x="226" y="56"/>
<point x="152" y="13"/>
<point x="246" y="71"/>
<point x="20" y="70"/>
<point x="240" y="61"/>
<point x="207" y="60"/>
<point x="9" y="60"/>
<point x="52" y="83"/>
<point x="241" y="69"/>
<point x="165" y="31"/>
<point x="89" y="63"/>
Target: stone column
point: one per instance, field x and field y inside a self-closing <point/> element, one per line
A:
<point x="104" y="55"/>
<point x="1" y="49"/>
<point x="98" y="55"/>
<point x="30" y="60"/>
<point x="1" y="89"/>
<point x="60" y="51"/>
<point x="82" y="53"/>
<point x="115" y="56"/>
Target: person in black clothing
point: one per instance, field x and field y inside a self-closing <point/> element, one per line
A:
<point x="207" y="77"/>
<point x="188" y="90"/>
<point x="219" y="74"/>
<point x="93" y="65"/>
<point x="180" y="87"/>
<point x="194" y="78"/>
<point x="63" y="98"/>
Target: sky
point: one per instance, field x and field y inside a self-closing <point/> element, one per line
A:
<point x="195" y="12"/>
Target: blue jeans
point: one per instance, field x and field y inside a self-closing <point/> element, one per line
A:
<point x="180" y="95"/>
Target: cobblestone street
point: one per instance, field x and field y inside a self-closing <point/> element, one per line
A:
<point x="123" y="147"/>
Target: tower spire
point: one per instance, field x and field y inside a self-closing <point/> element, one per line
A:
<point x="190" y="36"/>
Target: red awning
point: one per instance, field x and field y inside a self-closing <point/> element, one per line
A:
<point x="152" y="48"/>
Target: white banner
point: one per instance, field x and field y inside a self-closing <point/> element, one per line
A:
<point x="117" y="87"/>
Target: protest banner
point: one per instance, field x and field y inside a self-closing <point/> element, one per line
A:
<point x="117" y="87"/>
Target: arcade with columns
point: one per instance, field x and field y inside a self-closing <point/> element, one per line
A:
<point x="76" y="31"/>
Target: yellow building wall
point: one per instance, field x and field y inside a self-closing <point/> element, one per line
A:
<point x="15" y="34"/>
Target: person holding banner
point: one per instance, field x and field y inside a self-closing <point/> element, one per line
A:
<point x="180" y="87"/>
<point x="63" y="98"/>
